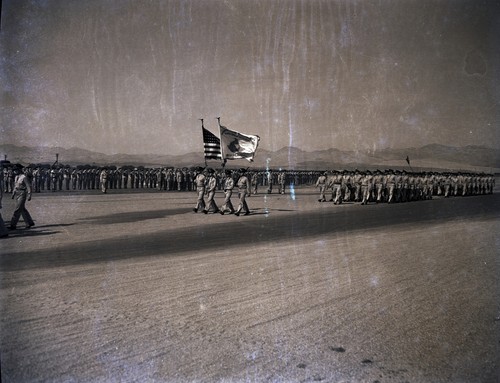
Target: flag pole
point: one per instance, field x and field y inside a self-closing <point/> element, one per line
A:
<point x="224" y="160"/>
<point x="202" y="127"/>
<point x="408" y="160"/>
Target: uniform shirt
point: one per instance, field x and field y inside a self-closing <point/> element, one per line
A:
<point x="321" y="180"/>
<point x="243" y="183"/>
<point x="211" y="183"/>
<point x="22" y="183"/>
<point x="229" y="183"/>
<point x="200" y="180"/>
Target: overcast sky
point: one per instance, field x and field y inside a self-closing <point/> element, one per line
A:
<point x="119" y="76"/>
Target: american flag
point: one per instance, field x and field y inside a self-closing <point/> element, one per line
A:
<point x="211" y="145"/>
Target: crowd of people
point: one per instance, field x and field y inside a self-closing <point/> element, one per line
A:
<point x="389" y="186"/>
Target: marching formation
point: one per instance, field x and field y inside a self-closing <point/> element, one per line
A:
<point x="389" y="186"/>
<point x="393" y="186"/>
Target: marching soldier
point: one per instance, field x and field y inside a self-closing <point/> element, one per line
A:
<point x="21" y="193"/>
<point x="243" y="190"/>
<point x="378" y="181"/>
<point x="390" y="182"/>
<point x="356" y="180"/>
<point x="211" y="186"/>
<point x="321" y="183"/>
<point x="228" y="191"/>
<point x="199" y="181"/>
<point x="366" y="187"/>
<point x="335" y="183"/>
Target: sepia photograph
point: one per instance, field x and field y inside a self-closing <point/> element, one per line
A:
<point x="231" y="191"/>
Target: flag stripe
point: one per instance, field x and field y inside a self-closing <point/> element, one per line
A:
<point x="211" y="145"/>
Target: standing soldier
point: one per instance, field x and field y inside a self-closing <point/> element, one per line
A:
<point x="3" y="229"/>
<point x="36" y="180"/>
<point x="269" y="181"/>
<point x="104" y="180"/>
<point x="228" y="191"/>
<point x="321" y="183"/>
<point x="170" y="179"/>
<point x="178" y="176"/>
<point x="199" y="181"/>
<point x="21" y="193"/>
<point x="281" y="182"/>
<point x="74" y="178"/>
<point x="243" y="191"/>
<point x="255" y="182"/>
<point x="66" y="176"/>
<point x="53" y="178"/>
<point x="210" y="191"/>
<point x="60" y="178"/>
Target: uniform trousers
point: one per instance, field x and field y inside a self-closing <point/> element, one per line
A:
<point x="211" y="202"/>
<point x="200" y="203"/>
<point x="242" y="194"/>
<point x="20" y="197"/>
<point x="227" y="201"/>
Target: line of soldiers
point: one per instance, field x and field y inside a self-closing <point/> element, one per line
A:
<point x="389" y="186"/>
<point x="206" y="185"/>
<point x="67" y="178"/>
<point x="400" y="186"/>
<point x="77" y="178"/>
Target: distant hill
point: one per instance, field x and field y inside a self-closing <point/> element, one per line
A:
<point x="439" y="157"/>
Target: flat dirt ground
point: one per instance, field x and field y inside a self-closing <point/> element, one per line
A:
<point x="135" y="287"/>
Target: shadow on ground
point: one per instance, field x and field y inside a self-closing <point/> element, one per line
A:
<point x="244" y="231"/>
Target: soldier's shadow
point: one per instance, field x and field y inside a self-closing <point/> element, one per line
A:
<point x="30" y="233"/>
<point x="264" y="211"/>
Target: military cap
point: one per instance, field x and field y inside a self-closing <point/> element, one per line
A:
<point x="242" y="170"/>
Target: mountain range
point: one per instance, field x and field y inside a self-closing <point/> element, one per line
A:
<point x="434" y="156"/>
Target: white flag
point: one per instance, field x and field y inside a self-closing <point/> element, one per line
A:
<point x="237" y="145"/>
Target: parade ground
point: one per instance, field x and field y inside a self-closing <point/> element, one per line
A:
<point x="132" y="286"/>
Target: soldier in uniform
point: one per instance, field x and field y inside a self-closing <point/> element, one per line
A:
<point x="356" y="180"/>
<point x="269" y="181"/>
<point x="366" y="187"/>
<point x="243" y="190"/>
<point x="179" y="178"/>
<point x="390" y="182"/>
<point x="281" y="182"/>
<point x="321" y="184"/>
<point x="103" y="179"/>
<point x="3" y="229"/>
<point x="21" y="193"/>
<point x="199" y="181"/>
<point x="378" y="181"/>
<point x="255" y="182"/>
<point x="228" y="192"/>
<point x="335" y="183"/>
<point x="211" y="186"/>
